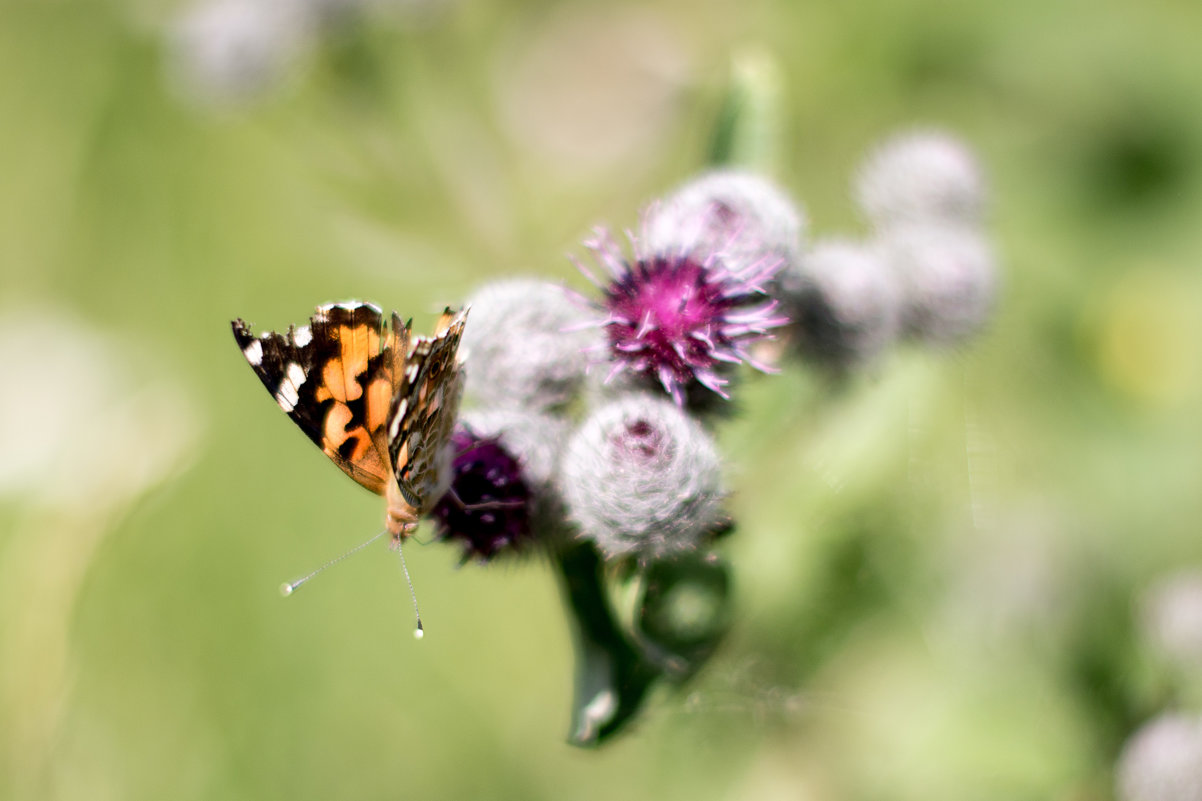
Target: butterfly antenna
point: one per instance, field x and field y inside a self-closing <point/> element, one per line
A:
<point x="292" y="586"/>
<point x="418" y="632"/>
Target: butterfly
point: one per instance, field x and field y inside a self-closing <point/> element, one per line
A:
<point x="380" y="401"/>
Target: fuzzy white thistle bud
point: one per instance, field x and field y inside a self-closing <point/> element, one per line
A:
<point x="921" y="177"/>
<point x="642" y="479"/>
<point x="844" y="302"/>
<point x="529" y="345"/>
<point x="741" y="216"/>
<point x="948" y="278"/>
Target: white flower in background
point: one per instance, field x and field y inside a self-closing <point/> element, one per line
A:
<point x="1162" y="761"/>
<point x="921" y="177"/>
<point x="1171" y="617"/>
<point x="843" y="301"/>
<point x="948" y="276"/>
<point x="233" y="51"/>
<point x="925" y="195"/>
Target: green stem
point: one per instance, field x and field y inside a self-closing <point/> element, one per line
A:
<point x="612" y="677"/>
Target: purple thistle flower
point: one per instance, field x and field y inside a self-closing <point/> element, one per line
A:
<point x="488" y="508"/>
<point x="683" y="318"/>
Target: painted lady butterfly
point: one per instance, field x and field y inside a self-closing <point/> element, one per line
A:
<point x="376" y="399"/>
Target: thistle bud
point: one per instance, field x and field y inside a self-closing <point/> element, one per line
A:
<point x="844" y="302"/>
<point x="948" y="279"/>
<point x="740" y="215"/>
<point x="642" y="479"/>
<point x="529" y="345"/>
<point x="921" y="177"/>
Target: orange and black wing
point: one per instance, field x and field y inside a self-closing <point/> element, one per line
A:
<point x="425" y="405"/>
<point x="334" y="378"/>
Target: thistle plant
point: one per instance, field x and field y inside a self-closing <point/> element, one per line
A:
<point x="589" y="435"/>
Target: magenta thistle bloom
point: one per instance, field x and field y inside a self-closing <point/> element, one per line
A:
<point x="489" y="510"/>
<point x="683" y="318"/>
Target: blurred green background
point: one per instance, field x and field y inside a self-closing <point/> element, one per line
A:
<point x="937" y="567"/>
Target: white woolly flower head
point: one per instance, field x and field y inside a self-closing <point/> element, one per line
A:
<point x="738" y="215"/>
<point x="844" y="302"/>
<point x="924" y="176"/>
<point x="529" y="344"/>
<point x="1162" y="761"/>
<point x="948" y="277"/>
<point x="641" y="478"/>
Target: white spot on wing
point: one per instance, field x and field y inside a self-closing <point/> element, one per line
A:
<point x="289" y="390"/>
<point x="303" y="336"/>
<point x="296" y="375"/>
<point x="286" y="397"/>
<point x="254" y="352"/>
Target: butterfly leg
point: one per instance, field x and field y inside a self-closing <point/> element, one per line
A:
<point x="480" y="507"/>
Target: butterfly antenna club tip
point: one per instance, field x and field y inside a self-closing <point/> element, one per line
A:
<point x="289" y="587"/>
<point x="420" y="630"/>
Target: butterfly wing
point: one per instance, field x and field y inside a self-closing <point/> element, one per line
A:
<point x="425" y="404"/>
<point x="334" y="378"/>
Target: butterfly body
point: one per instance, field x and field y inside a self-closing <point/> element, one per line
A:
<point x="378" y="400"/>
